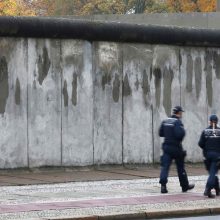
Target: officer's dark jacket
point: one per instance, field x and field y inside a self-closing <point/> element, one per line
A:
<point x="172" y="130"/>
<point x="210" y="139"/>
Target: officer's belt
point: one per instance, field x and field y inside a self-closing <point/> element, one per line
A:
<point x="172" y="142"/>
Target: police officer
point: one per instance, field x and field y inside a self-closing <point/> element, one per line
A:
<point x="173" y="132"/>
<point x="210" y="144"/>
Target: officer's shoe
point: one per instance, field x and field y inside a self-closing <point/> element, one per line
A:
<point x="208" y="193"/>
<point x="189" y="187"/>
<point x="217" y="187"/>
<point x="217" y="191"/>
<point x="164" y="189"/>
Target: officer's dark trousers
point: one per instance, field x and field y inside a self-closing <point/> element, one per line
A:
<point x="170" y="153"/>
<point x="213" y="170"/>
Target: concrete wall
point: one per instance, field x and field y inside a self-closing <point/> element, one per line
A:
<point x="44" y="102"/>
<point x="165" y="89"/>
<point x="78" y="103"/>
<point x="137" y="104"/>
<point x="195" y="19"/>
<point x="218" y="5"/>
<point x="107" y="79"/>
<point x="13" y="103"/>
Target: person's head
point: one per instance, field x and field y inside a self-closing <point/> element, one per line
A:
<point x="178" y="111"/>
<point x="213" y="119"/>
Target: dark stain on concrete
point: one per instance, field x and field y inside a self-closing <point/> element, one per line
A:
<point x="145" y="83"/>
<point x="167" y="82"/>
<point x="17" y="92"/>
<point x="180" y="59"/>
<point x="198" y="76"/>
<point x="208" y="71"/>
<point x="151" y="72"/>
<point x="116" y="88"/>
<point x="106" y="79"/>
<point x="216" y="65"/>
<point x="74" y="89"/>
<point x="4" y="87"/>
<point x="126" y="86"/>
<point x="71" y="59"/>
<point x="157" y="81"/>
<point x="65" y="94"/>
<point x="43" y="66"/>
<point x="136" y="83"/>
<point x="34" y="84"/>
<point x="145" y="87"/>
<point x="76" y="60"/>
<point x="189" y="73"/>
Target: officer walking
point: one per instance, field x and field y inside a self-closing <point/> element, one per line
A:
<point x="210" y="144"/>
<point x="173" y="132"/>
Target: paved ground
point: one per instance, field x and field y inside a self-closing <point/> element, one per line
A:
<point x="100" y="193"/>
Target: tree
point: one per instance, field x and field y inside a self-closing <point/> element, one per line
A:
<point x="15" y="7"/>
<point x="90" y="7"/>
<point x="139" y="6"/>
<point x="156" y="7"/>
<point x="42" y="7"/>
<point x="181" y="5"/>
<point x="8" y="7"/>
<point x="100" y="7"/>
<point x="191" y="5"/>
<point x="207" y="5"/>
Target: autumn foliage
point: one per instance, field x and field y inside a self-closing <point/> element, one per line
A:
<point x="191" y="5"/>
<point x="206" y="5"/>
<point x="89" y="7"/>
<point x="15" y="7"/>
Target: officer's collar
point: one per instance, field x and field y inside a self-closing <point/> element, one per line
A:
<point x="174" y="116"/>
<point x="210" y="127"/>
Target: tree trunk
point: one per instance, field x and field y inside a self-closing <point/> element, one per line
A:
<point x="140" y="6"/>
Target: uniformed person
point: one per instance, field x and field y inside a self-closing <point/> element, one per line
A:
<point x="210" y="144"/>
<point x="173" y="131"/>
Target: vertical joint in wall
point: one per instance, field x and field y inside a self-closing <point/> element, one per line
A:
<point x="180" y="76"/>
<point x="122" y="112"/>
<point x="93" y="73"/>
<point x="152" y="123"/>
<point x="61" y="107"/>
<point x="28" y="158"/>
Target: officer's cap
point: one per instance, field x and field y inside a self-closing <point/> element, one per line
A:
<point x="177" y="109"/>
<point x="213" y="118"/>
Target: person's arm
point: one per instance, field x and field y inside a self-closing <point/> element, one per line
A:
<point x="202" y="141"/>
<point x="161" y="133"/>
<point x="179" y="130"/>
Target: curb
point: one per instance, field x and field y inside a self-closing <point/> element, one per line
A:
<point x="147" y="215"/>
<point x="74" y="218"/>
<point x="178" y="213"/>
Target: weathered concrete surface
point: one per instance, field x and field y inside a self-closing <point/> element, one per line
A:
<point x="213" y="19"/>
<point x="194" y="19"/>
<point x="107" y="61"/>
<point x="218" y="5"/>
<point x="165" y="88"/>
<point x="199" y="20"/>
<point x="137" y="108"/>
<point x="193" y="98"/>
<point x="77" y="103"/>
<point x="13" y="102"/>
<point x="44" y="102"/>
<point x="61" y="102"/>
<point x="213" y="80"/>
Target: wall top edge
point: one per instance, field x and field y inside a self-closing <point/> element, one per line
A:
<point x="66" y="28"/>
